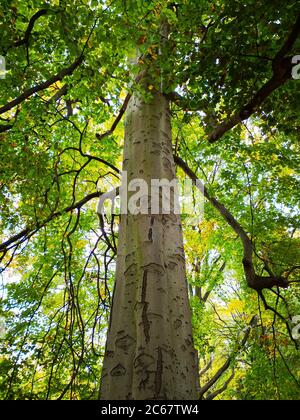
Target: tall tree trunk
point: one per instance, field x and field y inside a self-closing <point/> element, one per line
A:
<point x="149" y="351"/>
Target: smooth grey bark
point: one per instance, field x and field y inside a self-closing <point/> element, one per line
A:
<point x="149" y="352"/>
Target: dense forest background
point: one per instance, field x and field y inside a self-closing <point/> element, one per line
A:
<point x="70" y="71"/>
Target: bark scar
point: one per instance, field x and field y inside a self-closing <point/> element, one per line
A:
<point x="158" y="373"/>
<point x="145" y="320"/>
<point x="150" y="234"/>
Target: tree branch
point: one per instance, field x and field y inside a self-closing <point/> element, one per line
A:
<point x="213" y="395"/>
<point x="117" y="120"/>
<point x="207" y="367"/>
<point x="282" y="67"/>
<point x="67" y="71"/>
<point x="227" y="364"/>
<point x="254" y="281"/>
<point x="4" y="128"/>
<point x="61" y="92"/>
<point x="122" y="111"/>
<point x="34" y="18"/>
<point x="27" y="232"/>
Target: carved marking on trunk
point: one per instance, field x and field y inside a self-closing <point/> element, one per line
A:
<point x="119" y="370"/>
<point x="143" y="383"/>
<point x="143" y="361"/>
<point x="125" y="343"/>
<point x="131" y="270"/>
<point x="145" y="320"/>
<point x="177" y="324"/>
<point x="172" y="265"/>
<point x="154" y="268"/>
<point x="158" y="373"/>
<point x="167" y="135"/>
<point x="152" y="315"/>
<point x="188" y="342"/>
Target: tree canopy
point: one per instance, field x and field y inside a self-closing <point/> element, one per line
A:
<point x="226" y="68"/>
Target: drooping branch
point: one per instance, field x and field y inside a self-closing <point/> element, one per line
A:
<point x="282" y="67"/>
<point x="254" y="281"/>
<point x="92" y="157"/>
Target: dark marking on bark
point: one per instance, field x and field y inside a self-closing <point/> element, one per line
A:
<point x="145" y="320"/>
<point x="143" y="383"/>
<point x="158" y="373"/>
<point x="161" y="290"/>
<point x="131" y="270"/>
<point x="152" y="315"/>
<point x="167" y="135"/>
<point x="155" y="152"/>
<point x="150" y="235"/>
<point x="177" y="324"/>
<point x="143" y="361"/>
<point x="154" y="268"/>
<point x="125" y="343"/>
<point x="172" y="265"/>
<point x="119" y="370"/>
<point x="188" y="342"/>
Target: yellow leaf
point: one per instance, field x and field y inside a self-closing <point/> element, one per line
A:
<point x="236" y="306"/>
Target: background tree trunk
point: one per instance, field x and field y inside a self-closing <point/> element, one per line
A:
<point x="149" y="351"/>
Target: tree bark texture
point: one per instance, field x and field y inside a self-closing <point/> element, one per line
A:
<point x="149" y="352"/>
